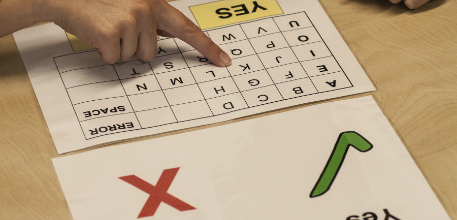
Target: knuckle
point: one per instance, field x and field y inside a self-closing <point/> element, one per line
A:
<point x="128" y="21"/>
<point x="142" y="8"/>
<point x="109" y="34"/>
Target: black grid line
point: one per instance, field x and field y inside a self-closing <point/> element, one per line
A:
<point x="262" y="63"/>
<point x="194" y="79"/>
<point x="296" y="57"/>
<point x="120" y="81"/>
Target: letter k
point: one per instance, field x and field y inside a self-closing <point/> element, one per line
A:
<point x="157" y="193"/>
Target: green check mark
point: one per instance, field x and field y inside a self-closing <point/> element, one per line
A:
<point x="345" y="140"/>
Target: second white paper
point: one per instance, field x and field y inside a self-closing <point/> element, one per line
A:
<point x="273" y="167"/>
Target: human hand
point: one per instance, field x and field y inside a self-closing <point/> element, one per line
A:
<point x="119" y="29"/>
<point x="411" y="4"/>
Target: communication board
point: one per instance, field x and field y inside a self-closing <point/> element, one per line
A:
<point x="284" y="53"/>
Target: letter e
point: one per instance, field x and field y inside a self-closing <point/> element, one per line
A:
<point x="369" y="216"/>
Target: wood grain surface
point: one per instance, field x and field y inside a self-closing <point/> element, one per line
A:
<point x="410" y="56"/>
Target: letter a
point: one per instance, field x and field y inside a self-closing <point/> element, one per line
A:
<point x="332" y="84"/>
<point x="157" y="193"/>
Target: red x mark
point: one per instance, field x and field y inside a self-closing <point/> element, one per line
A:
<point x="157" y="193"/>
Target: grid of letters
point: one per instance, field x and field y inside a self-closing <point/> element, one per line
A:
<point x="274" y="59"/>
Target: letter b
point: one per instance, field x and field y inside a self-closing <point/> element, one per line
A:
<point x="298" y="90"/>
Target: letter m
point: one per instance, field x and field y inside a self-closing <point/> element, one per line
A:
<point x="173" y="81"/>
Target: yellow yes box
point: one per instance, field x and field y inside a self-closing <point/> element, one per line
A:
<point x="77" y="44"/>
<point x="221" y="13"/>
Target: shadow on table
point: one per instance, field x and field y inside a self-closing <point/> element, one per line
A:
<point x="9" y="58"/>
<point x="385" y="5"/>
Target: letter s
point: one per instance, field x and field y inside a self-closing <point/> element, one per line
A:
<point x="227" y="14"/>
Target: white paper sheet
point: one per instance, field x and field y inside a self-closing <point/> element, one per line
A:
<point x="290" y="58"/>
<point x="264" y="168"/>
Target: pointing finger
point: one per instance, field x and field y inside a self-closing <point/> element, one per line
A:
<point x="175" y="23"/>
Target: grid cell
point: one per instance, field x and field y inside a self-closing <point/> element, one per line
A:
<point x="102" y="108"/>
<point x="277" y="57"/>
<point x="209" y="72"/>
<point x="156" y="117"/>
<point x="192" y="110"/>
<point x="245" y="65"/>
<point x="140" y="85"/>
<point x="296" y="88"/>
<point x="95" y="91"/>
<point x="79" y="61"/>
<point x="302" y="36"/>
<point x="311" y="51"/>
<point x="238" y="49"/>
<point x="227" y="35"/>
<point x="292" y="22"/>
<point x="185" y="94"/>
<point x="321" y="66"/>
<point x="110" y="125"/>
<point x="132" y="69"/>
<point x="218" y="87"/>
<point x="194" y="58"/>
<point x="228" y="103"/>
<point x="166" y="47"/>
<point x="268" y="43"/>
<point x="168" y="63"/>
<point x="253" y="80"/>
<point x="262" y="96"/>
<point x="89" y="75"/>
<point x="331" y="82"/>
<point x="260" y="28"/>
<point x="175" y="79"/>
<point x="147" y="101"/>
<point x="287" y="72"/>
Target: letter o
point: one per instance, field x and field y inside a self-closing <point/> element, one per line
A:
<point x="306" y="38"/>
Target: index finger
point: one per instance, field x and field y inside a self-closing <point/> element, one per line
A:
<point x="175" y="23"/>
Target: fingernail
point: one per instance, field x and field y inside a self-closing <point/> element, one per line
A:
<point x="224" y="57"/>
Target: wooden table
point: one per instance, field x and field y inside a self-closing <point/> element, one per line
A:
<point x="410" y="56"/>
